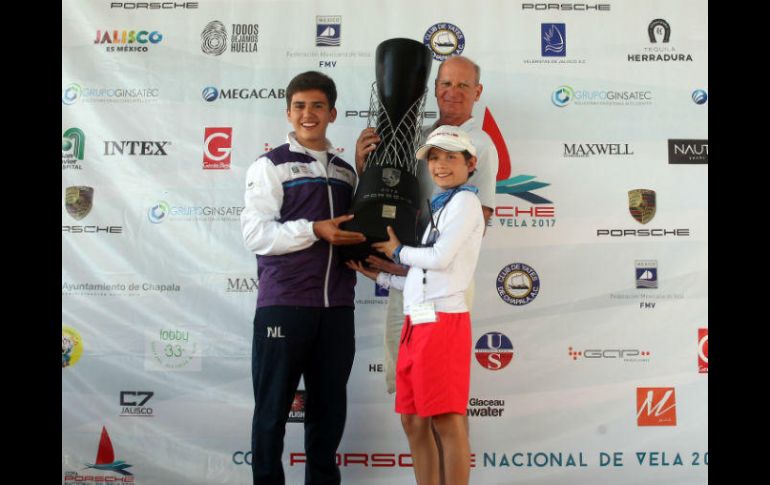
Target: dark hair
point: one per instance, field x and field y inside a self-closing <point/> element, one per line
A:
<point x="312" y="80"/>
<point x="468" y="157"/>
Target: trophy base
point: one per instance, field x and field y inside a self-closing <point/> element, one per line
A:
<point x="372" y="220"/>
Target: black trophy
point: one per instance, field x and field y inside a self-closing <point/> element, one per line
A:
<point x="388" y="191"/>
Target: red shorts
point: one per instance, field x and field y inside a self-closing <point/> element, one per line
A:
<point x="433" y="372"/>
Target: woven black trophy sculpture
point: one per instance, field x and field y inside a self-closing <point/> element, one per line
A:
<point x="388" y="192"/>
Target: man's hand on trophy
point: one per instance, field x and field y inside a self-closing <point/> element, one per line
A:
<point x="329" y="230"/>
<point x="388" y="248"/>
<point x="357" y="266"/>
<point x="365" y="144"/>
<point x="387" y="266"/>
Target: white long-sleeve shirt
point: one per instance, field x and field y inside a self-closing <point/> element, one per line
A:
<point x="450" y="263"/>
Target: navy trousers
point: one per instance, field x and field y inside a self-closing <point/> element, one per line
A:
<point x="289" y="342"/>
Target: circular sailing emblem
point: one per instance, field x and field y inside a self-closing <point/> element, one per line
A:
<point x="444" y="40"/>
<point x="518" y="284"/>
<point x="71" y="346"/>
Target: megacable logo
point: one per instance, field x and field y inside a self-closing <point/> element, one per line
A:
<point x="703" y="350"/>
<point x="655" y="406"/>
<point x="217" y="146"/>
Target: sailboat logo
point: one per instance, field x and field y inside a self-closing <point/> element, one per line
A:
<point x="647" y="274"/>
<point x="554" y="40"/>
<point x="328" y="31"/>
<point x="444" y="40"/>
<point x="105" y="457"/>
<point x="518" y="284"/>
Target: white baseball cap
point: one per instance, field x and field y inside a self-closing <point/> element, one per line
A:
<point x="449" y="138"/>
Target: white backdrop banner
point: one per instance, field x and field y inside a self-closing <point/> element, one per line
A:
<point x="590" y="321"/>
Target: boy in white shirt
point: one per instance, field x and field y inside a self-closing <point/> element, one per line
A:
<point x="433" y="369"/>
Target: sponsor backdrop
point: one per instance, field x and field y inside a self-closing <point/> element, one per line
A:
<point x="590" y="324"/>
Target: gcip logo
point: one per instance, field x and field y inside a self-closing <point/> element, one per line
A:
<point x="703" y="350"/>
<point x="217" y="146"/>
<point x="494" y="351"/>
<point x="655" y="406"/>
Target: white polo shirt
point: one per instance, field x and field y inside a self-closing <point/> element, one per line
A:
<point x="450" y="263"/>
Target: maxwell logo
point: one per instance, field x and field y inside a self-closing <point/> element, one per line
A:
<point x="655" y="406"/>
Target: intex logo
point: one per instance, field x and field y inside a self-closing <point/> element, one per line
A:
<point x="132" y="403"/>
<point x="494" y="351"/>
<point x="142" y="148"/>
<point x="703" y="350"/>
<point x="217" y="146"/>
<point x="655" y="406"/>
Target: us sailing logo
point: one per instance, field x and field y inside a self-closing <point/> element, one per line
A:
<point x="105" y="457"/>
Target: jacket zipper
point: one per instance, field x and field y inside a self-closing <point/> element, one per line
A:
<point x="331" y="249"/>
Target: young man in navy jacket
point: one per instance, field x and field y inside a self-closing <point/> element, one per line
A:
<point x="296" y="197"/>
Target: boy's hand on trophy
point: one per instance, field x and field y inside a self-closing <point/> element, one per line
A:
<point x="329" y="230"/>
<point x="365" y="144"/>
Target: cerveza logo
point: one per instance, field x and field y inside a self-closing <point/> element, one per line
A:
<point x="105" y="457"/>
